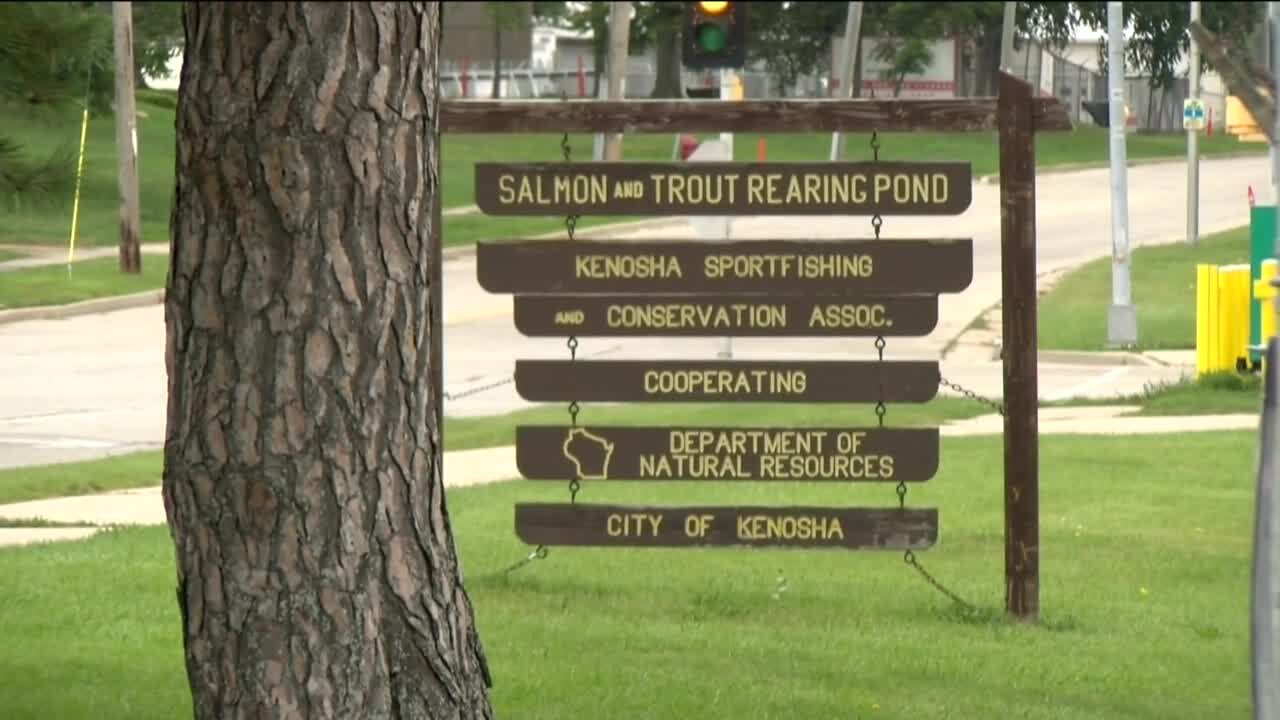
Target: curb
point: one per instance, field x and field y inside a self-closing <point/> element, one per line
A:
<point x="1081" y="167"/>
<point x="1107" y="358"/>
<point x="86" y="307"/>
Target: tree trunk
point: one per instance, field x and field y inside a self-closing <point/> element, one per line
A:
<point x="317" y="574"/>
<point x="496" y="88"/>
<point x="597" y="66"/>
<point x="857" y="72"/>
<point x="667" y="81"/>
<point x="987" y="61"/>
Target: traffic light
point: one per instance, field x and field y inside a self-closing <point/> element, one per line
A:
<point x="714" y="35"/>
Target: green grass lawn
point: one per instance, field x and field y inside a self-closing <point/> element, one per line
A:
<point x="49" y="223"/>
<point x="1220" y="393"/>
<point x="1073" y="315"/>
<point x="6" y="254"/>
<point x="122" y="472"/>
<point x="1144" y="597"/>
<point x="87" y="279"/>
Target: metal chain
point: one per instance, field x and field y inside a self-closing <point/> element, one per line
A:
<point x="570" y="224"/>
<point x="570" y="221"/>
<point x="910" y="559"/>
<point x="993" y="404"/>
<point x="876" y="220"/>
<point x="538" y="553"/>
<point x="574" y="483"/>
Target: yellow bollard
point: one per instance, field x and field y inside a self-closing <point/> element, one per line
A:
<point x="1206" y="315"/>
<point x="1224" y="325"/>
<point x="1234" y="310"/>
<point x="1263" y="291"/>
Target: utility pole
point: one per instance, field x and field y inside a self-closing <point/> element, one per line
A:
<point x="848" y="57"/>
<point x="619" y="36"/>
<point x="1264" y="601"/>
<point x="1193" y="139"/>
<point x="1006" y="35"/>
<point x="126" y="138"/>
<point x="1122" y="320"/>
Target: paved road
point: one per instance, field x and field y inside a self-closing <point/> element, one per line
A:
<point x="90" y="386"/>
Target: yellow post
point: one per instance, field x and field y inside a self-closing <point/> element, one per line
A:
<point x="75" y="205"/>
<point x="1206" y="284"/>
<point x="1225" y="327"/>
<point x="1263" y="291"/>
<point x="1233" y="280"/>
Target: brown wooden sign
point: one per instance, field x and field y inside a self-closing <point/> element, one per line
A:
<point x="847" y="267"/>
<point x="801" y="527"/>
<point x="839" y="188"/>
<point x="831" y="381"/>
<point x="718" y="315"/>
<point x="546" y="452"/>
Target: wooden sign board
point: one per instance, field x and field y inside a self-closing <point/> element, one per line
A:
<point x="720" y="315"/>
<point x="797" y="527"/>
<point x="831" y="381"/>
<point x="796" y="267"/>
<point x="551" y="452"/>
<point x="723" y="188"/>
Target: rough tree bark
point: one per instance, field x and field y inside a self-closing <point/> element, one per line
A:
<point x="667" y="81"/>
<point x="317" y="574"/>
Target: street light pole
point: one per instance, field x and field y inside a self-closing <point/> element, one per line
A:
<point x="848" y="59"/>
<point x="1193" y="138"/>
<point x="1122" y="320"/>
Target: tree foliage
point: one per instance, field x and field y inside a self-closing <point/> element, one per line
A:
<point x="50" y="51"/>
<point x="157" y="36"/>
<point x="48" y="54"/>
<point x="1158" y="36"/>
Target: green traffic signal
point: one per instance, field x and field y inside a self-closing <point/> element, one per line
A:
<point x="712" y="38"/>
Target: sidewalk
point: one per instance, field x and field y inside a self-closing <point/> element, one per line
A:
<point x="465" y="468"/>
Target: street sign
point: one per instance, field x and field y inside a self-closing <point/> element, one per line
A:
<point x="561" y="452"/>
<point x="1192" y="114"/>
<point x="844" y="188"/>
<point x="717" y="315"/>
<point x="848" y="267"/>
<point x="807" y="527"/>
<point x="824" y="381"/>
